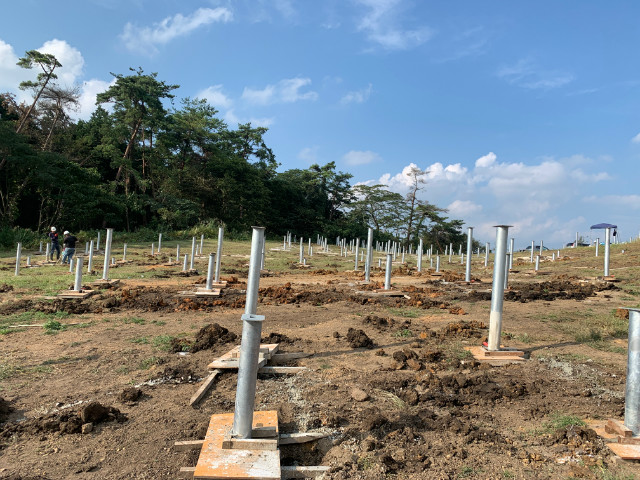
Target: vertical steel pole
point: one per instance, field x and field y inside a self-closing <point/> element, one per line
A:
<point x="264" y="253"/>
<point x="159" y="242"/>
<point x="201" y="242"/>
<point x="357" y="252"/>
<point x="467" y="272"/>
<point x="597" y="246"/>
<point x="77" y="286"/>
<point x="124" y="253"/>
<point x="632" y="392"/>
<point x="186" y="262"/>
<point x="212" y="261"/>
<point x="90" y="262"/>
<point x="541" y="247"/>
<point x="193" y="252"/>
<point x="250" y="345"/>
<point x="607" y="250"/>
<point x="153" y="249"/>
<point x="219" y="253"/>
<point x="86" y="247"/>
<point x="107" y="254"/>
<point x="506" y="272"/>
<point x="450" y="251"/>
<point x="28" y="260"/>
<point x="577" y="239"/>
<point x="420" y="255"/>
<point x="511" y="247"/>
<point x="48" y="251"/>
<point x="438" y="263"/>
<point x="71" y="265"/>
<point x="486" y="254"/>
<point x="18" y="255"/>
<point x="533" y="246"/>
<point x="98" y="242"/>
<point x="537" y="267"/>
<point x="367" y="265"/>
<point x="497" y="291"/>
<point x="387" y="274"/>
<point x="301" y="250"/>
<point x="178" y="253"/>
<point x="40" y="251"/>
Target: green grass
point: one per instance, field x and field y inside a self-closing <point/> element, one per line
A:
<point x="147" y="363"/>
<point x="405" y="333"/>
<point x="558" y="421"/>
<point x="140" y="340"/>
<point x="135" y="320"/>
<point x="405" y="312"/>
<point x="162" y="342"/>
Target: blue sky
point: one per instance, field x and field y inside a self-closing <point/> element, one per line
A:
<point x="524" y="113"/>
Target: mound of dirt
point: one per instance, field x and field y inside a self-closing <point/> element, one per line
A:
<point x="5" y="410"/>
<point x="359" y="339"/>
<point x="277" y="338"/>
<point x="130" y="395"/>
<point x="472" y="329"/>
<point x="207" y="337"/>
<point x="5" y="288"/>
<point x="379" y="322"/>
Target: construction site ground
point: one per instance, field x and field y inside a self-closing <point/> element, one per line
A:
<point x="99" y="388"/>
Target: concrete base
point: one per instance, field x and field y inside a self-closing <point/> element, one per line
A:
<point x="247" y="459"/>
<point x="496" y="358"/>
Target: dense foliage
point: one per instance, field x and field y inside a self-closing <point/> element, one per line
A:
<point x="140" y="162"/>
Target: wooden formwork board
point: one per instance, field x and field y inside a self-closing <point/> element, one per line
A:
<point x="625" y="451"/>
<point x="499" y="357"/>
<point x="221" y="284"/>
<point x="218" y="463"/>
<point x="74" y="294"/>
<point x="231" y="359"/>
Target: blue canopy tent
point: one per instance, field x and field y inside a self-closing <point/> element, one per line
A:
<point x="602" y="226"/>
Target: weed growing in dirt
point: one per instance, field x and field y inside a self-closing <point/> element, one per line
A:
<point x="52" y="326"/>
<point x="147" y="363"/>
<point x="365" y="462"/>
<point x="136" y="320"/>
<point x="162" y="342"/>
<point x="140" y="340"/>
<point x="559" y="421"/>
<point x="524" y="338"/>
<point x="159" y="323"/>
<point x="405" y="332"/>
<point x="405" y="312"/>
<point x="508" y="474"/>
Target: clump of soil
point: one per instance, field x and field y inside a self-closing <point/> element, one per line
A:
<point x="5" y="288"/>
<point x="379" y="322"/>
<point x="470" y="329"/>
<point x="359" y="339"/>
<point x="66" y="422"/>
<point x="274" y="337"/>
<point x="5" y="410"/>
<point x="207" y="337"/>
<point x="130" y="395"/>
<point x="179" y="374"/>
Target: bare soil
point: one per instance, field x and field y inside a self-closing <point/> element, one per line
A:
<point x="389" y="378"/>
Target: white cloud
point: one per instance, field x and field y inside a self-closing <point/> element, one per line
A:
<point x="381" y="26"/>
<point x="525" y="73"/>
<point x="359" y="96"/>
<point x="10" y="74"/>
<point x="285" y="91"/>
<point x="636" y="139"/>
<point x="87" y="101"/>
<point x="463" y="208"/>
<point x="214" y="96"/>
<point x="356" y="157"/>
<point x="486" y="160"/>
<point x="309" y="154"/>
<point x="626" y="201"/>
<point x="146" y="39"/>
<point x="70" y="58"/>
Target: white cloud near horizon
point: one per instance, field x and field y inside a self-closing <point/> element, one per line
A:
<point x="309" y="154"/>
<point x="231" y="118"/>
<point x="357" y="157"/>
<point x="382" y="26"/>
<point x="636" y="139"/>
<point x="358" y="96"/>
<point x="285" y="91"/>
<point x="147" y="39"/>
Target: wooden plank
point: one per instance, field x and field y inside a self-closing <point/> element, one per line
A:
<point x="251" y="443"/>
<point x="186" y="445"/>
<point x="74" y="294"/>
<point x="287" y="357"/>
<point x="618" y="428"/>
<point x="186" y="472"/>
<point x="479" y="353"/>
<point x="217" y="463"/>
<point x="291" y="438"/>
<point x="303" y="472"/>
<point x="281" y="370"/>
<point x="214" y="292"/>
<point x="204" y="388"/>
<point x="625" y="451"/>
<point x="230" y="360"/>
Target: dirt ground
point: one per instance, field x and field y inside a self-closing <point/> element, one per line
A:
<point x="105" y="394"/>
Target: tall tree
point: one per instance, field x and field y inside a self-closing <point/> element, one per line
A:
<point x="55" y="101"/>
<point x="47" y="63"/>
<point x="416" y="175"/>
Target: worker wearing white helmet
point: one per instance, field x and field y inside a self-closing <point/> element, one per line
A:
<point x="69" y="247"/>
<point x="55" y="244"/>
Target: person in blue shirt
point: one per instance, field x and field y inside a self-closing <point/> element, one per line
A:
<point x="55" y="244"/>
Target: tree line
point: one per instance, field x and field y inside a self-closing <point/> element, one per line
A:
<point x="147" y="160"/>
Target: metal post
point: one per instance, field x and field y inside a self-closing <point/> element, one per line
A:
<point x="90" y="262"/>
<point x="28" y="260"/>
<point x="264" y="253"/>
<point x="86" y="247"/>
<point x="212" y="261"/>
<point x="18" y="255"/>
<point x="98" y="243"/>
<point x="576" y="240"/>
<point x="107" y="254"/>
<point x="486" y="254"/>
<point x="159" y="242"/>
<point x="461" y="258"/>
<point x="511" y="248"/>
<point x="71" y="265"/>
<point x="553" y="257"/>
<point x="607" y="248"/>
<point x="219" y="253"/>
<point x="113" y="260"/>
<point x="438" y="263"/>
<point x="178" y="253"/>
<point x="124" y="252"/>
<point x="537" y="267"/>
<point x="250" y="344"/>
<point x="450" y="251"/>
<point x="193" y="252"/>
<point x="541" y="247"/>
<point x="77" y="286"/>
<point x="40" y="251"/>
<point x="497" y="291"/>
<point x="506" y="272"/>
<point x="387" y="274"/>
<point x="201" y="242"/>
<point x="367" y="265"/>
<point x="48" y="250"/>
<point x="420" y="255"/>
<point x="632" y="392"/>
<point x="186" y="262"/>
<point x="301" y="251"/>
<point x="533" y="246"/>
<point x="153" y="246"/>
<point x="467" y="273"/>
<point x="357" y="251"/>
<point x="597" y="246"/>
